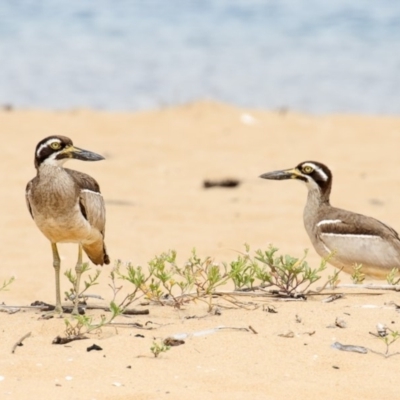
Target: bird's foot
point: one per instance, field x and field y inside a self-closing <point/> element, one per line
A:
<point x="56" y="312"/>
<point x="77" y="310"/>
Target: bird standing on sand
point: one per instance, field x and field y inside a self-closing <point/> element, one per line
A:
<point x="67" y="205"/>
<point x="348" y="238"/>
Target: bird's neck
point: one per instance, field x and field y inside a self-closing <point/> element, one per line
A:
<point x="55" y="178"/>
<point x="315" y="199"/>
<point x="49" y="170"/>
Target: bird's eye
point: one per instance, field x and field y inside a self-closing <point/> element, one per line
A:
<point x="307" y="169"/>
<point x="55" y="145"/>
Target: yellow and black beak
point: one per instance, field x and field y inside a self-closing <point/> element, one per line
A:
<point x="292" y="173"/>
<point x="79" y="154"/>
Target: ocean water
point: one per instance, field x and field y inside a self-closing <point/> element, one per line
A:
<point x="308" y="55"/>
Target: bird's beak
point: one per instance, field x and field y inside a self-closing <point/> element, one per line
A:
<point x="80" y="154"/>
<point x="292" y="173"/>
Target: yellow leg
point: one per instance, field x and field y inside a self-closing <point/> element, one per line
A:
<point x="78" y="270"/>
<point x="57" y="266"/>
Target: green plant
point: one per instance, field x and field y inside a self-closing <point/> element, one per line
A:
<point x="391" y="337"/>
<point x="83" y="324"/>
<point x="388" y="337"/>
<point x="6" y="284"/>
<point x="165" y="283"/>
<point x="171" y="284"/>
<point x="92" y="281"/>
<point x="289" y="274"/>
<point x="157" y="348"/>
<point x="208" y="276"/>
<point x="162" y="270"/>
<point x="243" y="270"/>
<point x="131" y="274"/>
<point x="358" y="277"/>
<point x="333" y="280"/>
<point x="393" y="277"/>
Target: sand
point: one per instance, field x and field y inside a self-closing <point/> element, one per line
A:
<point x="152" y="180"/>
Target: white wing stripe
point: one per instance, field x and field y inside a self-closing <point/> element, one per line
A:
<point x="90" y="191"/>
<point x="351" y="235"/>
<point x="329" y="221"/>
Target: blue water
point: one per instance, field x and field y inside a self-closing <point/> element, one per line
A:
<point x="312" y="56"/>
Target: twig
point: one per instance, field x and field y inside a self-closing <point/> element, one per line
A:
<point x="235" y="328"/>
<point x="290" y="299"/>
<point x="9" y="310"/>
<point x="82" y="296"/>
<point x="254" y="288"/>
<point x="35" y="307"/>
<point x="128" y="311"/>
<point x="19" y="343"/>
<point x="333" y="297"/>
<point x="237" y="303"/>
<point x="132" y="324"/>
<point x="383" y="354"/>
<point x="368" y="286"/>
<point x="65" y="340"/>
<point x="349" y="347"/>
<point x="253" y="330"/>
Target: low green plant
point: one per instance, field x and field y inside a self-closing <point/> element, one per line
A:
<point x="388" y="337"/>
<point x="289" y="274"/>
<point x="84" y="324"/>
<point x="131" y="274"/>
<point x="244" y="270"/>
<point x="6" y="284"/>
<point x="207" y="277"/>
<point x="391" y="337"/>
<point x="166" y="283"/>
<point x="199" y="278"/>
<point x="333" y="280"/>
<point x="162" y="269"/>
<point x="159" y="347"/>
<point x="91" y="281"/>
<point x="171" y="284"/>
<point x="357" y="276"/>
<point x="393" y="277"/>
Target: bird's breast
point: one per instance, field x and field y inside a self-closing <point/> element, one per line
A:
<point x="54" y="201"/>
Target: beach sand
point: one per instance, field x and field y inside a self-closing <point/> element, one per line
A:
<point x="152" y="183"/>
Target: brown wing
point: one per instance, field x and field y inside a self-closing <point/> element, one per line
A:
<point x="27" y="190"/>
<point x="357" y="224"/>
<point x="90" y="200"/>
<point x="361" y="240"/>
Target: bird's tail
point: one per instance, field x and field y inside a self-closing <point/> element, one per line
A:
<point x="97" y="252"/>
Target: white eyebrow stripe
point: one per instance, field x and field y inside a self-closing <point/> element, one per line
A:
<point x="309" y="164"/>
<point x="329" y="221"/>
<point x="49" y="142"/>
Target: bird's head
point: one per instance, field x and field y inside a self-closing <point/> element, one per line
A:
<point x="315" y="175"/>
<point x="55" y="150"/>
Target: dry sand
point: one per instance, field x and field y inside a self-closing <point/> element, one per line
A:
<point x="152" y="184"/>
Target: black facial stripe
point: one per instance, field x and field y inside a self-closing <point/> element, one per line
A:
<point x="61" y="156"/>
<point x="44" y="153"/>
<point x="302" y="178"/>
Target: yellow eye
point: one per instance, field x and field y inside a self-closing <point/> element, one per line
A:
<point x="55" y="145"/>
<point x="307" y="169"/>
